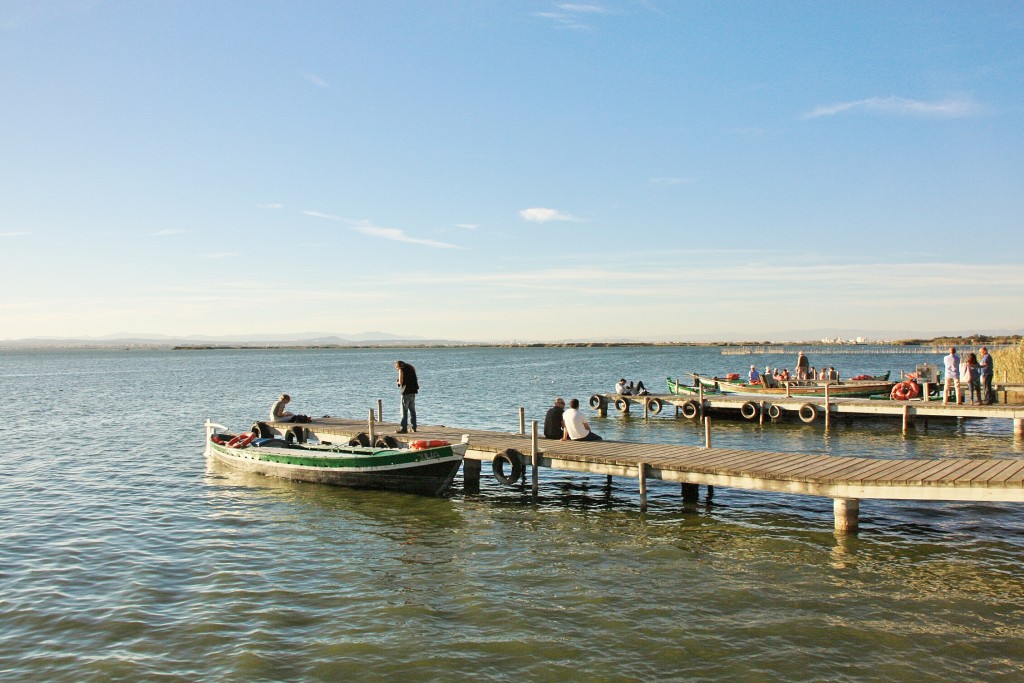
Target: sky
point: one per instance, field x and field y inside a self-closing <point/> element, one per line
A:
<point x="649" y="170"/>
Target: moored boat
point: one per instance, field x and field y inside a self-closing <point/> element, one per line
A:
<point x="847" y="388"/>
<point x="425" y="467"/>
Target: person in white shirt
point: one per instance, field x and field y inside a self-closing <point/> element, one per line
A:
<point x="753" y="377"/>
<point x="620" y="387"/>
<point x="952" y="375"/>
<point x="576" y="426"/>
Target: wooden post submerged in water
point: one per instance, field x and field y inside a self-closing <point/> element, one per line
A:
<point x="642" y="478"/>
<point x="847" y="515"/>
<point x="534" y="457"/>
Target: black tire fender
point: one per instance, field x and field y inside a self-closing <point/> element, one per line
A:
<point x="691" y="410"/>
<point x="748" y="410"/>
<point x="775" y="411"/>
<point x="360" y="439"/>
<point x="654" y="405"/>
<point x="596" y="401"/>
<point x="622" y="405"/>
<point x="515" y="460"/>
<point x="808" y="412"/>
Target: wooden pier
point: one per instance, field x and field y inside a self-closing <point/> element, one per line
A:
<point x="808" y="409"/>
<point x="845" y="480"/>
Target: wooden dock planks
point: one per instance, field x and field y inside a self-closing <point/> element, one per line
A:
<point x="816" y="474"/>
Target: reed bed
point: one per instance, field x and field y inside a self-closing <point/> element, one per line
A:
<point x="1012" y="362"/>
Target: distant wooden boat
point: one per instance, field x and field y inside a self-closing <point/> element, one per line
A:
<point x="425" y="467"/>
<point x="678" y="388"/>
<point x="849" y="388"/>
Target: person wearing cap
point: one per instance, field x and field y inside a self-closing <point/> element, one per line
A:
<point x="753" y="377"/>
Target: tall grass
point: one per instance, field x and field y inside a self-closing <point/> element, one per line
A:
<point x="1009" y="360"/>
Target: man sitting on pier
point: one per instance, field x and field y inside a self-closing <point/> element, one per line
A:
<point x="576" y="426"/>
<point x="553" y="420"/>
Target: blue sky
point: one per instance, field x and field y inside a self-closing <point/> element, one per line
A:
<point x="526" y="170"/>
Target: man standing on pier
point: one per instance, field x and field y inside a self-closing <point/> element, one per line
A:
<point x="409" y="385"/>
<point x="803" y="366"/>
<point x="985" y="364"/>
<point x="951" y="364"/>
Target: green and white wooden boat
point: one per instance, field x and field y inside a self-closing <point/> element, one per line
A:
<point x="425" y="467"/>
<point x="850" y="389"/>
<point x="678" y="388"/>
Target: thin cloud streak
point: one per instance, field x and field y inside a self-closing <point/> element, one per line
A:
<point x="14" y="234"/>
<point x="901" y="106"/>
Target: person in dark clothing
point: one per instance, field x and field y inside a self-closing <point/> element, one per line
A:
<point x="409" y="386"/>
<point x="553" y="420"/>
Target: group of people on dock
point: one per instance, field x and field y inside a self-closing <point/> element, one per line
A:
<point x="567" y="424"/>
<point x="973" y="369"/>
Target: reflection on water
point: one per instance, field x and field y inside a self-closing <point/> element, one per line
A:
<point x="128" y="556"/>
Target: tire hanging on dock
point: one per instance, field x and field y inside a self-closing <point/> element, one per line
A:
<point x="775" y="411"/>
<point x="515" y="460"/>
<point x="808" y="412"/>
<point x="386" y="441"/>
<point x="654" y="406"/>
<point x="748" y="410"/>
<point x="622" y="405"/>
<point x="691" y="410"/>
<point x="596" y="401"/>
<point x="360" y="439"/>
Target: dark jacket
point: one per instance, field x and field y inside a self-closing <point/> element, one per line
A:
<point x="553" y="423"/>
<point x="409" y="383"/>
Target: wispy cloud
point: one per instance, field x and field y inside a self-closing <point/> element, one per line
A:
<point x="315" y="80"/>
<point x="325" y="216"/>
<point x="397" y="235"/>
<point x="167" y="232"/>
<point x="394" y="234"/>
<point x="13" y="234"/>
<point x="467" y="226"/>
<point x="542" y="215"/>
<point x="270" y="205"/>
<point x="572" y="15"/>
<point x="954" y="108"/>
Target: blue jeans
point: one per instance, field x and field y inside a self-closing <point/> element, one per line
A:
<point x="409" y="410"/>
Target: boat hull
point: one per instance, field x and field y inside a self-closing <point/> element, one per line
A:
<point x="862" y="389"/>
<point x="429" y="471"/>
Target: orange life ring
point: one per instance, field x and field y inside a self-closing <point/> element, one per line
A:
<point x="904" y="391"/>
<point x="242" y="440"/>
<point x="423" y="445"/>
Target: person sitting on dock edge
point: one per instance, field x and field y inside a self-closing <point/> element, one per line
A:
<point x="553" y="428"/>
<point x="620" y="387"/>
<point x="409" y="386"/>
<point x="278" y="412"/>
<point x="576" y="426"/>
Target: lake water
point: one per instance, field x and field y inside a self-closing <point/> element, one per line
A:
<point x="127" y="556"/>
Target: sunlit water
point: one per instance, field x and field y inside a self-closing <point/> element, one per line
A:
<point x="126" y="556"/>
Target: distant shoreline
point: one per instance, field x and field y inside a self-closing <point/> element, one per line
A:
<point x="127" y="345"/>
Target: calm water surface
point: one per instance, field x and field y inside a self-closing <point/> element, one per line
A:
<point x="126" y="556"/>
